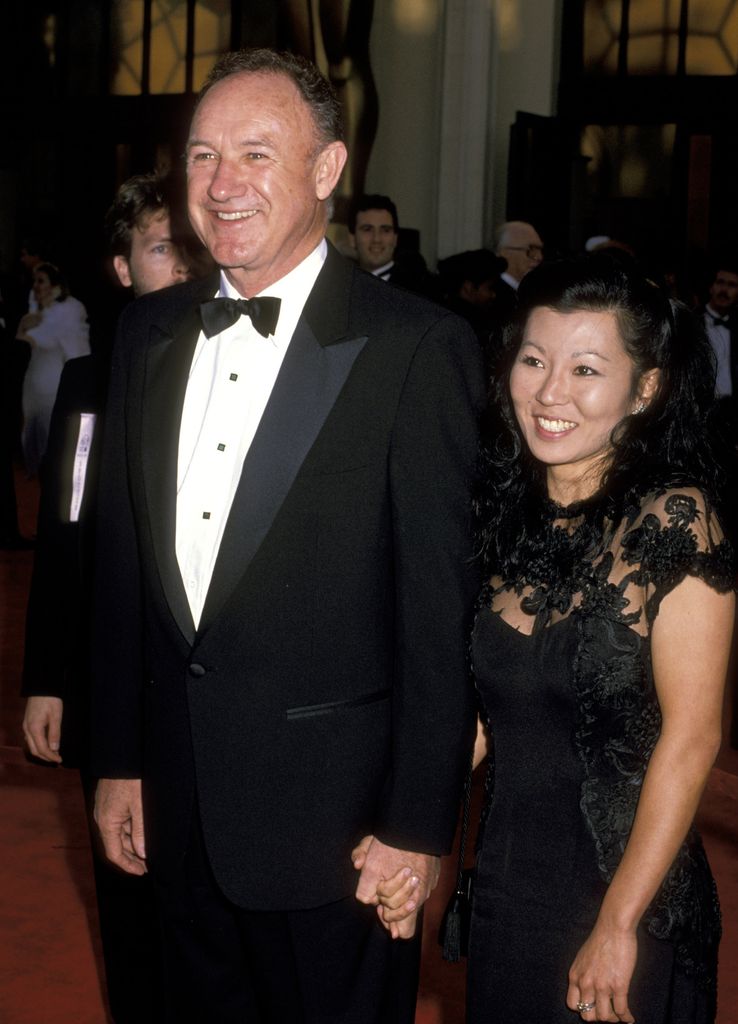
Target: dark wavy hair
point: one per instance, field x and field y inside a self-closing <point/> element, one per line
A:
<point x="372" y="201"/>
<point x="138" y="198"/>
<point x="676" y="439"/>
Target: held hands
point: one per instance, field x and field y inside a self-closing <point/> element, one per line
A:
<point x="42" y="727"/>
<point x="397" y="882"/>
<point x="600" y="976"/>
<point x="119" y="816"/>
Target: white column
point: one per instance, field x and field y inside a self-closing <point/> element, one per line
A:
<point x="465" y="117"/>
<point x="524" y="77"/>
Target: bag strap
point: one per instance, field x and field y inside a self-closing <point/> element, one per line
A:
<point x="465" y="824"/>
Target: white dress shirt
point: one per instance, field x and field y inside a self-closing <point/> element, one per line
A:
<point x="509" y="279"/>
<point x="384" y="272"/>
<point x="231" y="379"/>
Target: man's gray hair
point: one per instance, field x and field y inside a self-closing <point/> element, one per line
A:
<point x="316" y="90"/>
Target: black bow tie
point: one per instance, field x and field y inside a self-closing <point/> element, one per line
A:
<point x="719" y="321"/>
<point x="219" y="314"/>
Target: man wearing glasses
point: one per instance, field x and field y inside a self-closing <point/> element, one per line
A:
<point x="520" y="244"/>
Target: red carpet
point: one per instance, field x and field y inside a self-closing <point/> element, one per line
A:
<point x="49" y="955"/>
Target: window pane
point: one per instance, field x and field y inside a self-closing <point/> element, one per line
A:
<point x="629" y="161"/>
<point x="168" y="46"/>
<point x="212" y="36"/>
<point x="712" y="45"/>
<point x="653" y="37"/>
<point x="127" y="47"/>
<point x="601" y="31"/>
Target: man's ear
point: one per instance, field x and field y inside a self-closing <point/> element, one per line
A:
<point x="328" y="168"/>
<point x="121" y="268"/>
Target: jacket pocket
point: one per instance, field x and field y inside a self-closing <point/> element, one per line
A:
<point x="310" y="710"/>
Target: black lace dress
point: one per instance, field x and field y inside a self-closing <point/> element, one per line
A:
<point x="562" y="662"/>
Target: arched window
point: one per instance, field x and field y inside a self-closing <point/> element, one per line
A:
<point x="661" y="37"/>
<point x="165" y="46"/>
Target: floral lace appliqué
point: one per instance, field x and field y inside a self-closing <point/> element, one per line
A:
<point x="615" y="595"/>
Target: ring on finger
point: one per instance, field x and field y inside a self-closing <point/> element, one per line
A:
<point x="585" y="1007"/>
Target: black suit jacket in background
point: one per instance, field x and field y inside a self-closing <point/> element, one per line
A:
<point x="57" y="659"/>
<point x="325" y="693"/>
<point x="728" y="404"/>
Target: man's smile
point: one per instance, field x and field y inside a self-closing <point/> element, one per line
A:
<point x="236" y="214"/>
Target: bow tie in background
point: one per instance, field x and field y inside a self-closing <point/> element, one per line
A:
<point x="719" y="321"/>
<point x="219" y="314"/>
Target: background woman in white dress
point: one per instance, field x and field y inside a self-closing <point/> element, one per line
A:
<point x="56" y="333"/>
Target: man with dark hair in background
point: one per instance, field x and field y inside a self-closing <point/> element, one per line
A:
<point x="56" y="673"/>
<point x="374" y="233"/>
<point x="471" y="281"/>
<point x="146" y="255"/>
<point x="284" y="583"/>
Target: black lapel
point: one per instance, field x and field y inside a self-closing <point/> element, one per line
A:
<point x="168" y="361"/>
<point x="315" y="368"/>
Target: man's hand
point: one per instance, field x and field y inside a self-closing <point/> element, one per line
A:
<point x="119" y="816"/>
<point x="377" y="863"/>
<point x="42" y="727"/>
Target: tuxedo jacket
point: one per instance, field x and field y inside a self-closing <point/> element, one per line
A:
<point x="733" y="330"/>
<point x="506" y="301"/>
<point x="325" y="692"/>
<point x="727" y="405"/>
<point x="56" y="657"/>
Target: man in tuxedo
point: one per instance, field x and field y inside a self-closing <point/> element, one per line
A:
<point x="719" y="320"/>
<point x="721" y="325"/>
<point x="145" y="258"/>
<point x="56" y="665"/>
<point x="284" y="583"/>
<point x="374" y="233"/>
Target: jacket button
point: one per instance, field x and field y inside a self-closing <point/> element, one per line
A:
<point x="196" y="670"/>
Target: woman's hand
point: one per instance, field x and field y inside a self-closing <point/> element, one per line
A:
<point x="600" y="976"/>
<point x="27" y="322"/>
<point x="397" y="898"/>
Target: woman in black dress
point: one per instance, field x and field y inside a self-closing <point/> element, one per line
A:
<point x="600" y="651"/>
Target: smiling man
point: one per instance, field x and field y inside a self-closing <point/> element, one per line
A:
<point x="374" y="231"/>
<point x="284" y="582"/>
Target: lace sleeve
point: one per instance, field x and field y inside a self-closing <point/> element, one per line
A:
<point x="677" y="535"/>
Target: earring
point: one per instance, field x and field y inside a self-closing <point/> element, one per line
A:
<point x="639" y="408"/>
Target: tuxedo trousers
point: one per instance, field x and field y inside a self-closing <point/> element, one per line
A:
<point x="333" y="964"/>
<point x="129" y="931"/>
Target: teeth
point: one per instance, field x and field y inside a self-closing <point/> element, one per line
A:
<point x="238" y="215"/>
<point x="555" y="426"/>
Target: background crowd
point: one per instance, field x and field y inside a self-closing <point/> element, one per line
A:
<point x="57" y="364"/>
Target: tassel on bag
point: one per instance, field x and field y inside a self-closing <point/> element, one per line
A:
<point x="453" y="935"/>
